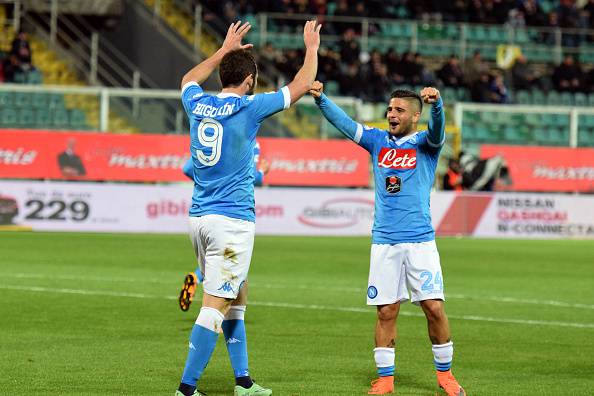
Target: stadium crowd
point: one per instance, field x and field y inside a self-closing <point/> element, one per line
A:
<point x="358" y="73"/>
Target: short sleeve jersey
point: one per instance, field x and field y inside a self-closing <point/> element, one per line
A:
<point x="404" y="172"/>
<point x="223" y="132"/>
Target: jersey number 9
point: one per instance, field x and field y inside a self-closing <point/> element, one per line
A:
<point x="214" y="141"/>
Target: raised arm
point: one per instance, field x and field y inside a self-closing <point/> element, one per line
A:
<point x="307" y="74"/>
<point x="203" y="70"/>
<point x="337" y="117"/>
<point x="436" y="128"/>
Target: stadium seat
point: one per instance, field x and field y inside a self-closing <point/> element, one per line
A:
<point x="566" y="99"/>
<point x="8" y="117"/>
<point x="476" y="33"/>
<point x="331" y="87"/>
<point x="463" y="94"/>
<point x="26" y="118"/>
<point x="538" y="97"/>
<point x="559" y="137"/>
<point x="560" y="120"/>
<point x="22" y="99"/>
<point x="580" y="99"/>
<point x="449" y="95"/>
<point x="59" y="118"/>
<point x="553" y="98"/>
<point x="39" y="100"/>
<point x="56" y="101"/>
<point x="523" y="97"/>
<point x="533" y="119"/>
<point x="42" y="118"/>
<point x="496" y="35"/>
<point x="78" y="120"/>
<point x="5" y="99"/>
<point x="521" y="36"/>
<point x="513" y="135"/>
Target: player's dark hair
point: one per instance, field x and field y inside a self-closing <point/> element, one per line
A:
<point x="236" y="66"/>
<point x="407" y="94"/>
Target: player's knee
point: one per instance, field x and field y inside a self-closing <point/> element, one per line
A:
<point x="387" y="312"/>
<point x="434" y="310"/>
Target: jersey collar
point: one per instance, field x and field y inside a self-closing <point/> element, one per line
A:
<point x="404" y="139"/>
<point x="224" y="95"/>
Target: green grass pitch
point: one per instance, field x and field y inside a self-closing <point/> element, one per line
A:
<point x="96" y="314"/>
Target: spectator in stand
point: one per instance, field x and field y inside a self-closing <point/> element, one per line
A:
<point x="524" y="76"/>
<point x="497" y="89"/>
<point x="474" y="68"/>
<point x="569" y="18"/>
<point x="343" y="10"/>
<point x="515" y="19"/>
<point x="377" y="82"/>
<point x="589" y="81"/>
<point x="568" y="76"/>
<point x="21" y="48"/>
<point x="349" y="47"/>
<point x="328" y="64"/>
<point x="425" y="76"/>
<point x="392" y="61"/>
<point x="409" y="69"/>
<point x="451" y="74"/>
<point x="10" y="68"/>
<point x="533" y="13"/>
<point x="351" y="83"/>
<point x="480" y="89"/>
<point x="452" y="179"/>
<point x="588" y="13"/>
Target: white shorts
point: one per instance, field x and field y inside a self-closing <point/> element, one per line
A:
<point x="395" y="268"/>
<point x="223" y="247"/>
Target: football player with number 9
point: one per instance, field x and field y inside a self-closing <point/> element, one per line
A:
<point x="223" y="132"/>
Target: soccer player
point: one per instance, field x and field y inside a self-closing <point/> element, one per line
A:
<point x="403" y="250"/>
<point x="223" y="133"/>
<point x="192" y="279"/>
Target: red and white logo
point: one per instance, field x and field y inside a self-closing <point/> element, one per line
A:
<point x="397" y="158"/>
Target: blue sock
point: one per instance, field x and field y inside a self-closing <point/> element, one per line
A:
<point x="203" y="340"/>
<point x="235" y="338"/>
<point x="199" y="274"/>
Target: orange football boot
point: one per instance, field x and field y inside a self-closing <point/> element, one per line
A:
<point x="187" y="292"/>
<point x="382" y="386"/>
<point x="447" y="382"/>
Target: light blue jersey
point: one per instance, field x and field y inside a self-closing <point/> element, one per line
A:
<point x="404" y="172"/>
<point x="188" y="168"/>
<point x="223" y="131"/>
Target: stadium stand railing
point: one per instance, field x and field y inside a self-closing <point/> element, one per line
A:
<point x="33" y="106"/>
<point x="525" y="125"/>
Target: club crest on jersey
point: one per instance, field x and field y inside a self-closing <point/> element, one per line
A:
<point x="397" y="158"/>
<point x="393" y="184"/>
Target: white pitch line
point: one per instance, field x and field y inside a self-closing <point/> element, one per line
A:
<point x="299" y="306"/>
<point x="499" y="299"/>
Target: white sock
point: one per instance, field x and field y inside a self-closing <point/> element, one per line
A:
<point x="443" y="355"/>
<point x="384" y="360"/>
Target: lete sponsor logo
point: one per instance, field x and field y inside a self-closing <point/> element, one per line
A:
<point x="397" y="158"/>
<point x="337" y="213"/>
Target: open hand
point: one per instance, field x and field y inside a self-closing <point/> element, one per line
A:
<point x="430" y="95"/>
<point x="234" y="36"/>
<point x="311" y="35"/>
<point x="316" y="89"/>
